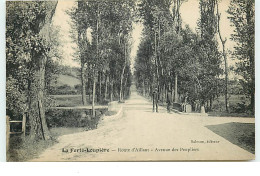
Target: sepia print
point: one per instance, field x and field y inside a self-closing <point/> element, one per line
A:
<point x="130" y="80"/>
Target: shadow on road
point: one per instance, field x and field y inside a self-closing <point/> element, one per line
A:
<point x="240" y="134"/>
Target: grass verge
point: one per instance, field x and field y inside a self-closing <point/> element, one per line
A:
<point x="240" y="134"/>
<point x="24" y="149"/>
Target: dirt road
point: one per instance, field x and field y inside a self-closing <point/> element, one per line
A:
<point x="141" y="134"/>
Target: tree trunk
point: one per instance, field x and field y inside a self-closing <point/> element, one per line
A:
<point x="122" y="75"/>
<point x="210" y="104"/>
<point x="251" y="53"/>
<point x="111" y="90"/>
<point x="225" y="60"/>
<point x="163" y="93"/>
<point x="148" y="90"/>
<point x="151" y="91"/>
<point x="93" y="94"/>
<point x="176" y="15"/>
<point x="172" y="93"/>
<point x="45" y="131"/>
<point x="121" y="83"/>
<point x="253" y="100"/>
<point x="100" y="87"/>
<point x="125" y="87"/>
<point x="36" y="111"/>
<point x="94" y="67"/>
<point x="156" y="61"/>
<point x="175" y="89"/>
<point x="83" y="84"/>
<point x="106" y="87"/>
<point x="90" y="90"/>
<point x="143" y="88"/>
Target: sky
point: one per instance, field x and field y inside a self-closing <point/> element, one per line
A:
<point x="62" y="20"/>
<point x="189" y="13"/>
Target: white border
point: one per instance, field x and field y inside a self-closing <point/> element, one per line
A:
<point x="127" y="168"/>
<point x="2" y="81"/>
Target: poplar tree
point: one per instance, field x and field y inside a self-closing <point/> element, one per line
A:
<point x="242" y="16"/>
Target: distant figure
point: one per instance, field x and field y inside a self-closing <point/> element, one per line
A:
<point x="197" y="105"/>
<point x="169" y="101"/>
<point x="155" y="100"/>
<point x="184" y="104"/>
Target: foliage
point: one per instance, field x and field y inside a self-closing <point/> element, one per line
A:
<point x="29" y="49"/>
<point x="242" y="16"/>
<point x="71" y="118"/>
<point x="15" y="98"/>
<point x="23" y="42"/>
<point x="102" y="31"/>
<point x="167" y="51"/>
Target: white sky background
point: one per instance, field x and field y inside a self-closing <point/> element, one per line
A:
<point x="189" y="13"/>
<point x="62" y="19"/>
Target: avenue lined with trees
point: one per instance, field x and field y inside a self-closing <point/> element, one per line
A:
<point x="104" y="56"/>
<point x="32" y="52"/>
<point x="189" y="64"/>
<point x="191" y="67"/>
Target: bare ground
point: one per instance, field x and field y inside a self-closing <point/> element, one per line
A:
<point x="157" y="136"/>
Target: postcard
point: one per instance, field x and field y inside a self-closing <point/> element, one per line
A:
<point x="130" y="80"/>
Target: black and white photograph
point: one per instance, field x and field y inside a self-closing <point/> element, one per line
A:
<point x="130" y="80"/>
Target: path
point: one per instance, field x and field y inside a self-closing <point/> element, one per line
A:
<point x="154" y="134"/>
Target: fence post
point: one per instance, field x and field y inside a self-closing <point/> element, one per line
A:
<point x="7" y="132"/>
<point x="24" y="124"/>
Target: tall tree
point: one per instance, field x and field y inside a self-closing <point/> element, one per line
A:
<point x="107" y="54"/>
<point x="80" y="25"/>
<point x="224" y="53"/>
<point x="28" y="48"/>
<point x="210" y="57"/>
<point x="156" y="17"/>
<point x="242" y="16"/>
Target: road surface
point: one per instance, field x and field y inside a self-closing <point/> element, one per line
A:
<point x="141" y="134"/>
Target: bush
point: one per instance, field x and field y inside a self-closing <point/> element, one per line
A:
<point x="239" y="108"/>
<point x="242" y="108"/>
<point x="63" y="90"/>
<point x="110" y="113"/>
<point x="15" y="98"/>
<point x="78" y="88"/>
<point x="71" y="118"/>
